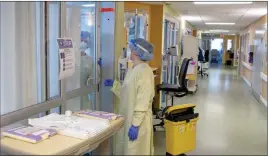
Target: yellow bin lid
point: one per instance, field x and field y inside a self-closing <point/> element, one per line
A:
<point x="179" y="108"/>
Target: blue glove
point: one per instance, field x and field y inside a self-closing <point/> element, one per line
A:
<point x="133" y="133"/>
<point x="100" y="62"/>
<point x="109" y="82"/>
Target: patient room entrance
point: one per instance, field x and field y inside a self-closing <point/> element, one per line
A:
<point x="39" y="91"/>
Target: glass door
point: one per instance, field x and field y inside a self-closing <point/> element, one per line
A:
<point x="81" y="28"/>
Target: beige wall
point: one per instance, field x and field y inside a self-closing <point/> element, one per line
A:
<point x="252" y="27"/>
<point x="156" y="39"/>
<point x="119" y="44"/>
<point x="119" y="40"/>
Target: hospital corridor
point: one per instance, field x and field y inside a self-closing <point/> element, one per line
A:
<point x="232" y="121"/>
<point x="133" y="78"/>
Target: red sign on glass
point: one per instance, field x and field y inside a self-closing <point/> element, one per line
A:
<point x="106" y="9"/>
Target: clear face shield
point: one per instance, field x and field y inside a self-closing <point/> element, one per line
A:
<point x="139" y="50"/>
<point x="128" y="52"/>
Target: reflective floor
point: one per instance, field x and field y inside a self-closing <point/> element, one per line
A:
<point x="231" y="121"/>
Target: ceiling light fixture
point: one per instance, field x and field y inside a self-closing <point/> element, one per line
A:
<point x="212" y="23"/>
<point x="209" y="3"/>
<point x="260" y="31"/>
<point x="88" y="5"/>
<point x="218" y="30"/>
<point x="192" y="18"/>
<point x="253" y="12"/>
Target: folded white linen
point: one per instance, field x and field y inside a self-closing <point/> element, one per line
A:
<point x="73" y="126"/>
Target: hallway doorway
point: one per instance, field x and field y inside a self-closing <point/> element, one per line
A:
<point x="216" y="51"/>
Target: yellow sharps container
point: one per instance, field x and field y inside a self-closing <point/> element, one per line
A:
<point x="180" y="126"/>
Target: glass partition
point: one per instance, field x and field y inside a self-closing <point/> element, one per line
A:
<point x="30" y="58"/>
<point x="81" y="28"/>
<point x="80" y="103"/>
<point x="53" y="20"/>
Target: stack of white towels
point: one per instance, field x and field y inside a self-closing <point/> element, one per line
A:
<point x="72" y="126"/>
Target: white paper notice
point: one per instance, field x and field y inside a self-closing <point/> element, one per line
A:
<point x="67" y="58"/>
<point x="191" y="69"/>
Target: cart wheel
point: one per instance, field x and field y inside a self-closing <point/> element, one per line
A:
<point x="164" y="110"/>
<point x="167" y="154"/>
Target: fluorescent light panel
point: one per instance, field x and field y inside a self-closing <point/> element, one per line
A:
<point x="220" y="3"/>
<point x="216" y="30"/>
<point x="88" y="5"/>
<point x="214" y="23"/>
<point x="260" y="31"/>
<point x="192" y="18"/>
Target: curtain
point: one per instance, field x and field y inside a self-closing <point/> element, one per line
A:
<point x="19" y="87"/>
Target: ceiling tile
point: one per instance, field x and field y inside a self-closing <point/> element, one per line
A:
<point x="242" y="14"/>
